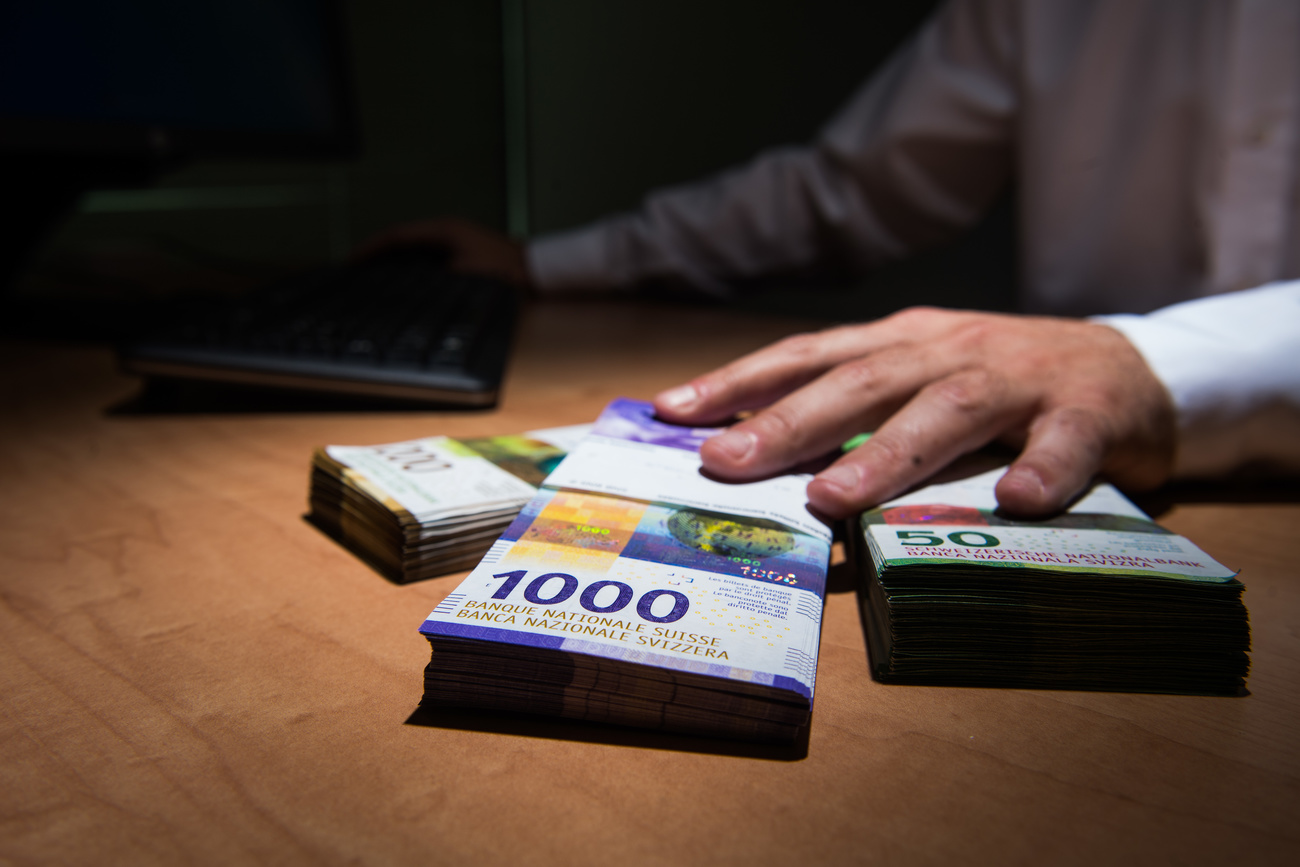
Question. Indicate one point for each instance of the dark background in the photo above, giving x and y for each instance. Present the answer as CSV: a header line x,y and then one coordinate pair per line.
x,y
529,116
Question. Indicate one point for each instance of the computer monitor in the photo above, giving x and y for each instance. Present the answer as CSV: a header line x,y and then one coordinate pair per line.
x,y
105,94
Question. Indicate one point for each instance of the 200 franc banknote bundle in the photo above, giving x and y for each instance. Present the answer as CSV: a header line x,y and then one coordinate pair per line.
x,y
426,507
634,590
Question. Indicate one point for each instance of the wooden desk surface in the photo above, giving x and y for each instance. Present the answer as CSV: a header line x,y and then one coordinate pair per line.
x,y
192,674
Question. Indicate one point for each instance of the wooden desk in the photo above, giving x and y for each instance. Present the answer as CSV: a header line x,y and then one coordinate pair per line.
x,y
192,674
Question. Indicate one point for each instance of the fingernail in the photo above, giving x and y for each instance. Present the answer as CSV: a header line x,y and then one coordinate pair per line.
x,y
1026,482
846,477
682,397
736,444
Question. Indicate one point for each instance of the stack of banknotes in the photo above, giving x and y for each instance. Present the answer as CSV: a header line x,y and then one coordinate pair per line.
x,y
633,590
431,506
1098,598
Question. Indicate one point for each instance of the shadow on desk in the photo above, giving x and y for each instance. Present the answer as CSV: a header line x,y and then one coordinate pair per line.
x,y
552,728
1247,487
194,397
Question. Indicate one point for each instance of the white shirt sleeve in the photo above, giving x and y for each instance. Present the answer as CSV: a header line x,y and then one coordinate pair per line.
x,y
1232,365
918,154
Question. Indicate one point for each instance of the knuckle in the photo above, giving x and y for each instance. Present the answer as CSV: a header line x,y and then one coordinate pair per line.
x,y
857,376
886,450
718,383
979,334
970,392
915,318
1082,425
803,349
779,424
717,391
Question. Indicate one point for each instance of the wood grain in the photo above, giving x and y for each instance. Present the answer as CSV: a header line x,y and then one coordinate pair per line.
x,y
192,674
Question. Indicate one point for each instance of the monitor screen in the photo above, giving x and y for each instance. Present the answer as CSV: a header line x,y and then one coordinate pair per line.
x,y
141,78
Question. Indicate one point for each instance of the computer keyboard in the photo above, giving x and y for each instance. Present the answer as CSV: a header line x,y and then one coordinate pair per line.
x,y
399,325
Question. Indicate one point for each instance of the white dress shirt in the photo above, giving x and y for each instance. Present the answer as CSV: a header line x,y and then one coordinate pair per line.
x,y
1155,145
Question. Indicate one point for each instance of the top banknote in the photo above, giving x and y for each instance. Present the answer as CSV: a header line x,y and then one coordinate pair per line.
x,y
629,555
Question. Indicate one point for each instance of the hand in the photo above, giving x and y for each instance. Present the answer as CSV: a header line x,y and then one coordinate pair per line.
x,y
1074,396
471,248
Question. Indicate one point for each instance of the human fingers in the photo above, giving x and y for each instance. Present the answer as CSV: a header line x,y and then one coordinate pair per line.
x,y
430,233
1064,451
815,419
951,416
762,377
471,248
1113,418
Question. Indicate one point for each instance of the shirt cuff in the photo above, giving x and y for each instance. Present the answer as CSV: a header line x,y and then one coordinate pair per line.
x,y
616,254
1232,366
573,260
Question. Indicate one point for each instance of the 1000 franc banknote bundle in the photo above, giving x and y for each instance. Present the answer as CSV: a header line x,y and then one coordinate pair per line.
x,y
632,589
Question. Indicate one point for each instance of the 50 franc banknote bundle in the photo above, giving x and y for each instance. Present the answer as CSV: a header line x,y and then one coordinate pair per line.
x,y
634,590
430,506
1099,597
